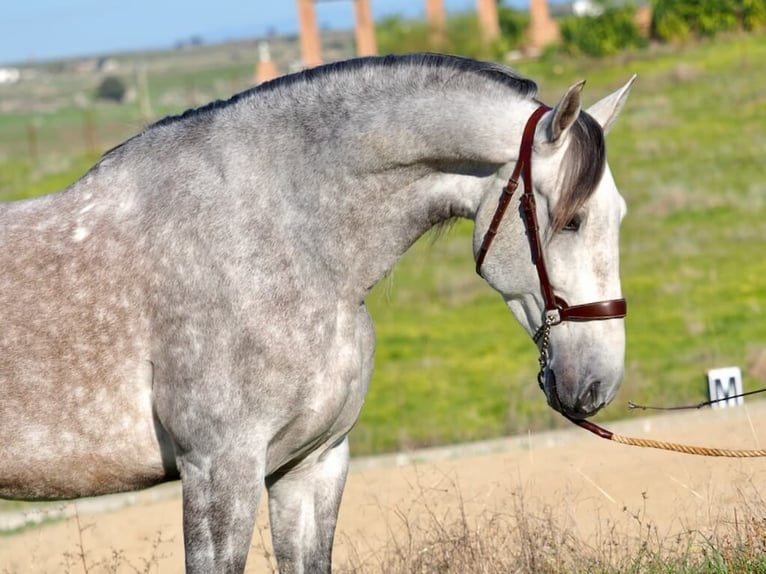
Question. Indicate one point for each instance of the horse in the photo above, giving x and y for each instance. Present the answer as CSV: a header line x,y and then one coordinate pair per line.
x,y
194,306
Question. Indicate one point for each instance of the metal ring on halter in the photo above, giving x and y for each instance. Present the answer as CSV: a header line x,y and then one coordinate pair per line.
x,y
551,317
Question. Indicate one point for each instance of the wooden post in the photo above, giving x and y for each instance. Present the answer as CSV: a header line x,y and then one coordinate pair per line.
x,y
89,130
437,21
543,30
490,26
266,69
365,29
311,51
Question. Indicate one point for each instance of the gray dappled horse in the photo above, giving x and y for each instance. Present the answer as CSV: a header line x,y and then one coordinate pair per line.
x,y
194,305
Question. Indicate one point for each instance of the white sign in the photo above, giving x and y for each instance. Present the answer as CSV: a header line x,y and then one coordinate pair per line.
x,y
724,383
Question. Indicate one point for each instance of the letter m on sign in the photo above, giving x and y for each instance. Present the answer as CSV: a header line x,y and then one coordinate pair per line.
x,y
725,383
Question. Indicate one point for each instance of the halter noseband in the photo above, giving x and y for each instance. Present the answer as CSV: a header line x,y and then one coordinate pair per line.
x,y
556,309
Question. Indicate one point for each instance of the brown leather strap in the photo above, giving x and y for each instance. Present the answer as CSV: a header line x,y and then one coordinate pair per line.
x,y
529,212
612,309
525,155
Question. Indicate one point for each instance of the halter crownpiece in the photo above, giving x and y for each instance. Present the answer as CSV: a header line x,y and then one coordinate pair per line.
x,y
556,309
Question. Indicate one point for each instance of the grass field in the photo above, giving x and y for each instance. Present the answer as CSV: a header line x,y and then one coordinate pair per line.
x,y
452,365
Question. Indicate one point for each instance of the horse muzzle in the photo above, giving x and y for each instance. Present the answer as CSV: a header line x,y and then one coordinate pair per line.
x,y
581,404
580,377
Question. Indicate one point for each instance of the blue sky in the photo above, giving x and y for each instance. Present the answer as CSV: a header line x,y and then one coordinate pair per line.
x,y
45,29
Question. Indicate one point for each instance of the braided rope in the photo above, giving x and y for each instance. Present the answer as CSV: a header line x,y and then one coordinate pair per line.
x,y
671,446
688,449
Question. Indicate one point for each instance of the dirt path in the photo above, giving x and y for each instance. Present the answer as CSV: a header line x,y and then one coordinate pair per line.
x,y
591,485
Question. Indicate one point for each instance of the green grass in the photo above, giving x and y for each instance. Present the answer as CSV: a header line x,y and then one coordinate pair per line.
x,y
20,179
451,363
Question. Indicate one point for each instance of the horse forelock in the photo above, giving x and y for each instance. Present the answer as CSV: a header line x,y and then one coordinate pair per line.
x,y
582,169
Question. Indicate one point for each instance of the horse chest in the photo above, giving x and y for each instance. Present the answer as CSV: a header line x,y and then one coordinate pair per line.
x,y
339,392
334,396
328,403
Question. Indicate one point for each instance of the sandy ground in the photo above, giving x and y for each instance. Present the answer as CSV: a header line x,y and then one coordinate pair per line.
x,y
591,486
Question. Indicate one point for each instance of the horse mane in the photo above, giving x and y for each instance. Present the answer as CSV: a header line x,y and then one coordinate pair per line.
x,y
361,67
423,62
583,165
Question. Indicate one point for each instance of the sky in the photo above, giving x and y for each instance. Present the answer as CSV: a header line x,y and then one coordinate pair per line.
x,y
33,30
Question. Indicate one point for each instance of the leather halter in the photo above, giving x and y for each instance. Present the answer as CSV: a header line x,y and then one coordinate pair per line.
x,y
556,309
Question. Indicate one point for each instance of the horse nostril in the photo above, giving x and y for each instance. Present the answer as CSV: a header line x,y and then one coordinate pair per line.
x,y
591,394
589,402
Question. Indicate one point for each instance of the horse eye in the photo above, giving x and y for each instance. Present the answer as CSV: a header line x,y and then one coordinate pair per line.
x,y
573,224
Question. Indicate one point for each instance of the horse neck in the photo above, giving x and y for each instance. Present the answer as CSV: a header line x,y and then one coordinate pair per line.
x,y
376,171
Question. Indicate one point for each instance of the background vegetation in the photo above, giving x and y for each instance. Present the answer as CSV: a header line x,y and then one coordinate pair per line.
x,y
607,28
606,34
681,20
451,364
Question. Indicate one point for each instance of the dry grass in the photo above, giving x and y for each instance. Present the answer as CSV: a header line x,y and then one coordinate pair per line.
x,y
425,540
526,538
492,543
78,561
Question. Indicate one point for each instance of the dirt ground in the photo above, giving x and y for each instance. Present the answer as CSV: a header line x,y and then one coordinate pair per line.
x,y
590,485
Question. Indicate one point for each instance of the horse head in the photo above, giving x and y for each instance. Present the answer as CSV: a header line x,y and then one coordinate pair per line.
x,y
567,218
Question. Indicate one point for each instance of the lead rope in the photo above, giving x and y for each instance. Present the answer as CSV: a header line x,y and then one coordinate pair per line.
x,y
662,445
542,337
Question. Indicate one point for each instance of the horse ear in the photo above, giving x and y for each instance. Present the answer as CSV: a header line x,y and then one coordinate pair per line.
x,y
606,110
565,113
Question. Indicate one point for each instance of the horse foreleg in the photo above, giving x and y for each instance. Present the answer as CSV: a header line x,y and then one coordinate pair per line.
x,y
220,501
303,510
